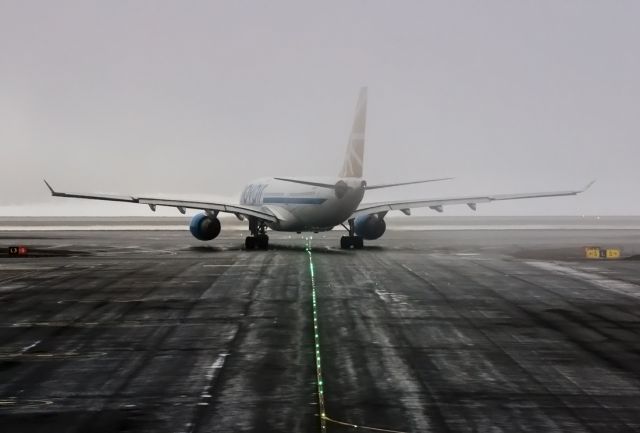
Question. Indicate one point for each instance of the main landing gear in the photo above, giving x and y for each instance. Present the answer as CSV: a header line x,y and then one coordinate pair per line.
x,y
351,241
260,242
258,239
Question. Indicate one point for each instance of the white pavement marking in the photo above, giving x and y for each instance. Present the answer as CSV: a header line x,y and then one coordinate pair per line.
x,y
25,268
29,347
171,253
211,373
217,364
57,246
613,285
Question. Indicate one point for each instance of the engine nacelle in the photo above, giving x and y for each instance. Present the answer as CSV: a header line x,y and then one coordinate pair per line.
x,y
204,227
369,226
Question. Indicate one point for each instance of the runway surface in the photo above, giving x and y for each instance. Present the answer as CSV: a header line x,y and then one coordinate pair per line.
x,y
422,331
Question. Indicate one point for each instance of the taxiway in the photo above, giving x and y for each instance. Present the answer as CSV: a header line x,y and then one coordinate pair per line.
x,y
430,331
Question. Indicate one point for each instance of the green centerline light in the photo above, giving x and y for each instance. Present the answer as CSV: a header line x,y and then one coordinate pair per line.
x,y
316,338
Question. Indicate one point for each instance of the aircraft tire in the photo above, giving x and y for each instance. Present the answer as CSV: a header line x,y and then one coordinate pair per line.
x,y
358,243
262,242
250,243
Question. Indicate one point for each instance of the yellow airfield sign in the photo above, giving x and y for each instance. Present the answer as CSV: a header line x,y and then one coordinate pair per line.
x,y
602,253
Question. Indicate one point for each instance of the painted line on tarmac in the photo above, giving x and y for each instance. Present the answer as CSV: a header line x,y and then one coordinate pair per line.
x,y
601,281
47,356
210,375
29,347
15,403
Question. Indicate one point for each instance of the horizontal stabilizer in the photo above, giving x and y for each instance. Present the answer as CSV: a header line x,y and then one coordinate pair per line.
x,y
367,187
389,185
305,182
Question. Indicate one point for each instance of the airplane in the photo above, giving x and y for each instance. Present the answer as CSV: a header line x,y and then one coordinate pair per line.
x,y
312,204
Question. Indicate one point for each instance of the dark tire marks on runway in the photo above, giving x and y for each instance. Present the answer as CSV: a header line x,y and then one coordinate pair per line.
x,y
371,376
266,384
451,318
157,334
535,307
147,334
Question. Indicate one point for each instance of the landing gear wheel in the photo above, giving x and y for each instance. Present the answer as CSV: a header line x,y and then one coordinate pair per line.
x,y
258,238
351,241
262,242
355,242
250,243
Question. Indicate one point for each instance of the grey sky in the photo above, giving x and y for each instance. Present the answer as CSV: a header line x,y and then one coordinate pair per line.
x,y
194,99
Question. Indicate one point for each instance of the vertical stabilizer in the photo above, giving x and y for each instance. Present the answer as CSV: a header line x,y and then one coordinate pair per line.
x,y
353,160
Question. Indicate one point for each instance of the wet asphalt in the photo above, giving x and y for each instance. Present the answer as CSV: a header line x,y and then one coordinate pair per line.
x,y
434,331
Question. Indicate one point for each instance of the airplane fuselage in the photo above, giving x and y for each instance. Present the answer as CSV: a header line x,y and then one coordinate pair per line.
x,y
304,207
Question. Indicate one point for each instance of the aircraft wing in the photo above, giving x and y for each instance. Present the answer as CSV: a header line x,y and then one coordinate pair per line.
x,y
181,205
438,203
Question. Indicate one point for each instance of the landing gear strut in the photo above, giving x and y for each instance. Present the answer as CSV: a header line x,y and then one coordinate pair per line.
x,y
351,241
258,238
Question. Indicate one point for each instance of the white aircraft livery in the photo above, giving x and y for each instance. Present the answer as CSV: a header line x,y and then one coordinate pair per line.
x,y
312,204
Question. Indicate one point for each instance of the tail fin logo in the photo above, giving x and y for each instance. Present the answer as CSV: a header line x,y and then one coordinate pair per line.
x,y
354,158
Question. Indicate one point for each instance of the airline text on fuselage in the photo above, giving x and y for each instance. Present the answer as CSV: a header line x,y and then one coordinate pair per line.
x,y
252,194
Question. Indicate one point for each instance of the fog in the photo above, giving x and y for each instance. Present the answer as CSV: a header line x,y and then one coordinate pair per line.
x,y
195,99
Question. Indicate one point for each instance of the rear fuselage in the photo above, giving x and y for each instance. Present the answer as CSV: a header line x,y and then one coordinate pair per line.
x,y
301,207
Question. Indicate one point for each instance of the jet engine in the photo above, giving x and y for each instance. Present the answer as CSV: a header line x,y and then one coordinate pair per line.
x,y
369,226
204,227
